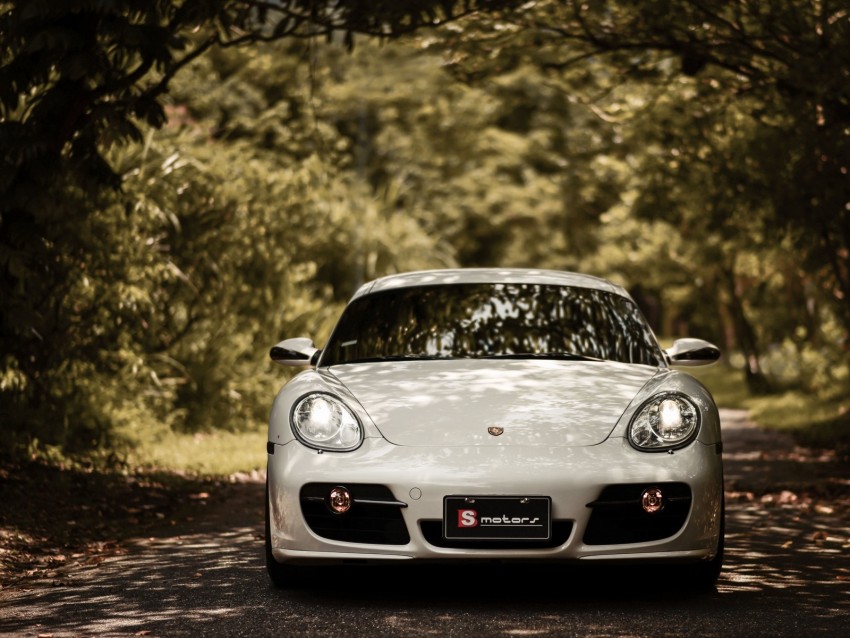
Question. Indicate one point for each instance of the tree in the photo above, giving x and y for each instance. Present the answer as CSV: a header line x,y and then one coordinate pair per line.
x,y
742,130
92,298
507,173
78,76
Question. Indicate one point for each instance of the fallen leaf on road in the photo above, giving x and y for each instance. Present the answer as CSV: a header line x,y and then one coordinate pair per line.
x,y
746,496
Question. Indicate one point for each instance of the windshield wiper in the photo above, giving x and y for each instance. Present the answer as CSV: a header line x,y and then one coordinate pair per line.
x,y
563,356
398,357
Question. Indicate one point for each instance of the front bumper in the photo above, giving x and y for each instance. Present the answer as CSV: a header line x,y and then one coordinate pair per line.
x,y
416,479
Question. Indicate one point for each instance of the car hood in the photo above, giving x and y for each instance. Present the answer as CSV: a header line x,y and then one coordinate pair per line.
x,y
453,403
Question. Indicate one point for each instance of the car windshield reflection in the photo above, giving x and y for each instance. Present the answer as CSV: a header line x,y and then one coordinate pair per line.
x,y
517,321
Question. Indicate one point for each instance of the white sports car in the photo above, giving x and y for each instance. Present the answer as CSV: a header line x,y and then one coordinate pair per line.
x,y
495,414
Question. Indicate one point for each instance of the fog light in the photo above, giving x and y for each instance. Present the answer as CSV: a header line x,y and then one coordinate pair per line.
x,y
652,500
340,500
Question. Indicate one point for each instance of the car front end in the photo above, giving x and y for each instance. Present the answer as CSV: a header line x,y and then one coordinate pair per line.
x,y
609,499
464,426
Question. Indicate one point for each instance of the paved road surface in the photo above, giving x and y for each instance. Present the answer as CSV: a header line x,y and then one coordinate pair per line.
x,y
787,573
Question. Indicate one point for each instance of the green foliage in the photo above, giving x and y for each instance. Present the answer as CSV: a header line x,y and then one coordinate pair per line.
x,y
256,232
467,163
236,225
734,130
143,275
811,420
725,382
79,77
216,453
821,422
172,204
67,328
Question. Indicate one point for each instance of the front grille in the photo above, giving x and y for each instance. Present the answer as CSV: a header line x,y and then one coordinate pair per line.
x,y
374,518
618,517
432,530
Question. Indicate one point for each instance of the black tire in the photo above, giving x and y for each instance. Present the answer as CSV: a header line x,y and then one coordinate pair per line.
x,y
280,575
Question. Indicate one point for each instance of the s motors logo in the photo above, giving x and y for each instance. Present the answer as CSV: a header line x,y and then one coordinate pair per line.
x,y
470,518
467,518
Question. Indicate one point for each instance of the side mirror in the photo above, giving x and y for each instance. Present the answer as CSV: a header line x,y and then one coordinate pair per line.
x,y
692,352
295,352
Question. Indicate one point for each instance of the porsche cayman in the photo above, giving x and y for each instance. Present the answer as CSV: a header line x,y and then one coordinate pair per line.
x,y
494,415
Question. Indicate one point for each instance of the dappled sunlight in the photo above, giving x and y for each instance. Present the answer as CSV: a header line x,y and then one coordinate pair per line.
x,y
165,586
784,531
551,403
786,573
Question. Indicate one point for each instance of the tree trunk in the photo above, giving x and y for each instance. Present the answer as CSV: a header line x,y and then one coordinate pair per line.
x,y
757,382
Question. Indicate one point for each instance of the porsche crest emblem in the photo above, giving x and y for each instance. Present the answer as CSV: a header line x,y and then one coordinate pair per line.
x,y
495,430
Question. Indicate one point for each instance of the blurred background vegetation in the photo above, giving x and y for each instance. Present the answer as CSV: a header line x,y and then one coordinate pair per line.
x,y
184,183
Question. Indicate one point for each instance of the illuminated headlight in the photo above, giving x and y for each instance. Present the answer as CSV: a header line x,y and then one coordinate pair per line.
x,y
324,422
666,421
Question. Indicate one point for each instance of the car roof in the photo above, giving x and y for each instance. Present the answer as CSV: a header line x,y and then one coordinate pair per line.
x,y
446,276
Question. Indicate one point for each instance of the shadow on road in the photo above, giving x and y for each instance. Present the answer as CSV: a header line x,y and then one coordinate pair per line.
x,y
787,573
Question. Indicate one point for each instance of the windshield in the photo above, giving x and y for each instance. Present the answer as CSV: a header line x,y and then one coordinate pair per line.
x,y
491,320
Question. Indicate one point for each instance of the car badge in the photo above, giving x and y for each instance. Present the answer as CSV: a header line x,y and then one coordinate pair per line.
x,y
495,430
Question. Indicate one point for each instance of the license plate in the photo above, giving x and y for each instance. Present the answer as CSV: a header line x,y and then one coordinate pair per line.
x,y
496,517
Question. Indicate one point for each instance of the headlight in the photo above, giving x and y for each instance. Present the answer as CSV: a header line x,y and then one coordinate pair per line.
x,y
666,421
324,422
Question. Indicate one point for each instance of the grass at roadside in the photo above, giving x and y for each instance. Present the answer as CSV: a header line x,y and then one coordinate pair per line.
x,y
213,454
813,421
725,383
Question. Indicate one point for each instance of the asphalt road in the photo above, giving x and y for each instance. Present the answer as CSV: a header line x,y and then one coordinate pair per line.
x,y
787,573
